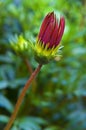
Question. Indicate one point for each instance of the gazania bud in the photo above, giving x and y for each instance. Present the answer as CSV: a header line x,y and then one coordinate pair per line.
x,y
49,37
20,45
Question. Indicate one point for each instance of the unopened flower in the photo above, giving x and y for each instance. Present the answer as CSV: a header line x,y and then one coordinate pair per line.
x,y
49,37
20,45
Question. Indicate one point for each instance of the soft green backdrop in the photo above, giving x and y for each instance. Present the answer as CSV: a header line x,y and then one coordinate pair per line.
x,y
57,98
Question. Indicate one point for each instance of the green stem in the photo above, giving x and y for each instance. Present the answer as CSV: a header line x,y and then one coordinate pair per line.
x,y
21,97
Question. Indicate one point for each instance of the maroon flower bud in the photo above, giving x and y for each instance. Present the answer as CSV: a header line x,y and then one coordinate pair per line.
x,y
51,30
47,45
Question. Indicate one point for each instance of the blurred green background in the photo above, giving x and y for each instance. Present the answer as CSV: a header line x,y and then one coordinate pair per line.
x,y
56,100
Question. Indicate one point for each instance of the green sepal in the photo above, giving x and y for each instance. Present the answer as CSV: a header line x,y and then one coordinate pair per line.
x,y
42,59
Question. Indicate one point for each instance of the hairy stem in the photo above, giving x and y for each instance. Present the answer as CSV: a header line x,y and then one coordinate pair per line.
x,y
21,97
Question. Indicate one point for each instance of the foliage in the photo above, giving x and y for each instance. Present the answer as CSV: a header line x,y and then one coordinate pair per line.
x,y
57,98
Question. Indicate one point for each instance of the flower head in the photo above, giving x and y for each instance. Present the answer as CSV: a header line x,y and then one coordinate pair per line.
x,y
49,37
19,45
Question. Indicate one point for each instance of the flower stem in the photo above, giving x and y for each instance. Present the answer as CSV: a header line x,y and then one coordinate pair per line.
x,y
28,66
20,99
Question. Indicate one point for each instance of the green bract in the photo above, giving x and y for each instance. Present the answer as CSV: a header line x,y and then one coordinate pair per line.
x,y
20,45
44,55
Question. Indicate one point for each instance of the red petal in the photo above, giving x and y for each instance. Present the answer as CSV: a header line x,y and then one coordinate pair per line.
x,y
49,31
54,35
60,30
45,23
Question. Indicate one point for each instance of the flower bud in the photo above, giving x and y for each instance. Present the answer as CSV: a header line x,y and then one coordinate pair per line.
x,y
49,37
20,45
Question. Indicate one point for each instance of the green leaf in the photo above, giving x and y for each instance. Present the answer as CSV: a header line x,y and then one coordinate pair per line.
x,y
3,84
5,103
30,123
53,128
14,128
4,118
5,59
